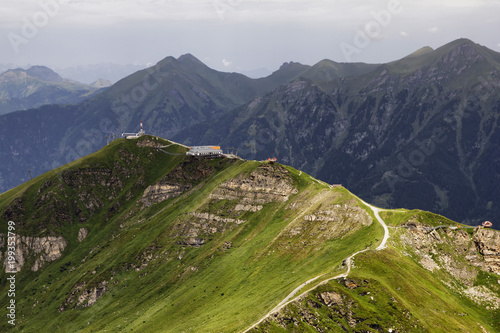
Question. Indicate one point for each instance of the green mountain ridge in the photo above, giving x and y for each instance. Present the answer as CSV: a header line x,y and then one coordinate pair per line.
x,y
134,238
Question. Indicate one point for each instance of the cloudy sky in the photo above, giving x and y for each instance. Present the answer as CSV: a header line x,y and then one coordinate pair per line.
x,y
237,35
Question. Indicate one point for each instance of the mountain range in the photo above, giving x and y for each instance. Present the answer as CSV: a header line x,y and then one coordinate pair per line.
x,y
38,85
420,132
141,237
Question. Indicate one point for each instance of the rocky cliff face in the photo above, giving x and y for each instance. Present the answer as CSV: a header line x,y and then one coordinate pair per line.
x,y
182,178
460,254
264,185
42,249
487,243
231,202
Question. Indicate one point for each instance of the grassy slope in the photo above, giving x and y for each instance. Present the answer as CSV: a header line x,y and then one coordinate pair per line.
x,y
395,292
392,292
208,290
212,289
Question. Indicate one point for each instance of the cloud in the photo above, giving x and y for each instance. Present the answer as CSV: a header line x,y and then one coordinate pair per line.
x,y
98,12
109,12
461,3
252,33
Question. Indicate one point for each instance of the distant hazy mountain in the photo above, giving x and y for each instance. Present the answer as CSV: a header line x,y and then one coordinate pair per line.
x,y
256,73
106,71
101,84
38,85
420,132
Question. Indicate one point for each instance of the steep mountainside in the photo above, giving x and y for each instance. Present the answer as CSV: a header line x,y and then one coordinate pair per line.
x,y
133,238
421,132
26,89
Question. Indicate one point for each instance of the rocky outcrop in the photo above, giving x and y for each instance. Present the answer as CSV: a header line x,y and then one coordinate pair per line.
x,y
82,234
45,249
150,142
267,183
83,296
458,253
487,242
161,192
194,231
248,208
15,211
212,217
192,242
334,221
442,249
481,250
181,179
89,297
330,298
245,193
483,296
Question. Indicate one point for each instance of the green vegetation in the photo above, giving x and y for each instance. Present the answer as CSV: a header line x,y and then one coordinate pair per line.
x,y
385,293
180,244
398,217
153,280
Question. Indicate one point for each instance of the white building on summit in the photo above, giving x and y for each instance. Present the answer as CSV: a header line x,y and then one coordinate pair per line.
x,y
205,151
134,135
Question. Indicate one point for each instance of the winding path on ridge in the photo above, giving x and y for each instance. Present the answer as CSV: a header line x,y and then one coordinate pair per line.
x,y
376,212
290,298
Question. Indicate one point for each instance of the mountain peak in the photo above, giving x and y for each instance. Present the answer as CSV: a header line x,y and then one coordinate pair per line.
x,y
470,52
188,57
456,53
286,64
44,73
421,51
462,41
101,83
462,44
185,59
